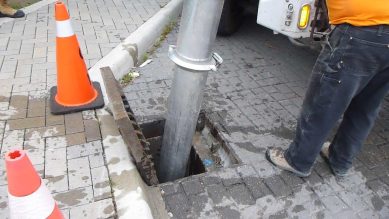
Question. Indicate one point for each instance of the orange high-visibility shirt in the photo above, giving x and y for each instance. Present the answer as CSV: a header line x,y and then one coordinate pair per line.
x,y
358,12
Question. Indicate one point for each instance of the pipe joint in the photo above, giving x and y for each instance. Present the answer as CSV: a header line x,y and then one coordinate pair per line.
x,y
198,65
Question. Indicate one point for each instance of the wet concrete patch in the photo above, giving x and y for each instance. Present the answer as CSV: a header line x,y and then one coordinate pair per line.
x,y
377,203
114,160
74,197
108,210
102,184
250,147
3,205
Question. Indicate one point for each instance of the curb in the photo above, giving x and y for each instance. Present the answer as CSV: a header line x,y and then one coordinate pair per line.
x,y
27,10
132,197
124,56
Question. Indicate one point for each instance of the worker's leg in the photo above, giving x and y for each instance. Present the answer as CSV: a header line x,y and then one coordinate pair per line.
x,y
357,123
362,67
335,80
7,11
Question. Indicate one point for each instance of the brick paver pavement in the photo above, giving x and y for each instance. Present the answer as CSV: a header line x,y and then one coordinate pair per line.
x,y
67,150
256,97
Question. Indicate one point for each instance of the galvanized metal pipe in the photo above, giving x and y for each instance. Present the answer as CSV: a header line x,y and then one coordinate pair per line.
x,y
193,58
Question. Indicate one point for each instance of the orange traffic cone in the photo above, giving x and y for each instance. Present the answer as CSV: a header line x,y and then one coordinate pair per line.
x,y
27,194
74,91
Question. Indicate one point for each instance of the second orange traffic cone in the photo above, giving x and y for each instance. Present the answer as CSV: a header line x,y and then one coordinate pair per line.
x,y
74,91
27,194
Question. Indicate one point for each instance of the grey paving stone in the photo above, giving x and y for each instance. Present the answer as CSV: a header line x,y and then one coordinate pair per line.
x,y
74,123
26,123
36,108
210,179
88,114
368,214
216,193
324,214
334,204
57,184
96,160
54,119
265,169
74,197
192,187
291,179
352,180
100,209
322,169
12,140
246,171
79,173
201,206
229,176
228,212
385,179
313,179
92,130
171,188
240,194
84,149
257,188
55,162
19,101
370,175
323,190
279,215
67,140
277,186
378,186
101,183
43,132
177,204
353,200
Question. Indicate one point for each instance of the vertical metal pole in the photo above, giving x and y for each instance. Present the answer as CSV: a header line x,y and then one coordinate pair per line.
x,y
193,59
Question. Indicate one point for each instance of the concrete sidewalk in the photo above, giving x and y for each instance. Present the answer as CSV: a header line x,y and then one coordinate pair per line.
x,y
256,97
67,150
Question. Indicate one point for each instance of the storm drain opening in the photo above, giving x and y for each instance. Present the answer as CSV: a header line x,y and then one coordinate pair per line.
x,y
209,151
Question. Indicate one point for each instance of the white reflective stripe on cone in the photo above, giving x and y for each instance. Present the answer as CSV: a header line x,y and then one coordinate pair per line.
x,y
64,28
38,205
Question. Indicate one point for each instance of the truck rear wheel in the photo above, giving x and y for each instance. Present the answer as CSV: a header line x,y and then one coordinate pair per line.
x,y
231,18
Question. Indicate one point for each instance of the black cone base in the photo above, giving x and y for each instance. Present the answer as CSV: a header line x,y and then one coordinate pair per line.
x,y
58,109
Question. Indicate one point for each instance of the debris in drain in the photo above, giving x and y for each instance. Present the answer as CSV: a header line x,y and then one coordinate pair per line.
x,y
208,152
209,148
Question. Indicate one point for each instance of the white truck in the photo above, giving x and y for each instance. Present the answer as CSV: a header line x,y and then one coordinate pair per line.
x,y
297,19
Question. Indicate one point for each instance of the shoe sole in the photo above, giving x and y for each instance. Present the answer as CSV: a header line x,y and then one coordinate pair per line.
x,y
10,16
298,173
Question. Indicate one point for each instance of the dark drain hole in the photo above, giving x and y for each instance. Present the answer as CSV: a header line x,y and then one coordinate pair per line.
x,y
153,133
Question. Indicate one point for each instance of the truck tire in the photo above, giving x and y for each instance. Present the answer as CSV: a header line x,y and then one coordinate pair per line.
x,y
231,18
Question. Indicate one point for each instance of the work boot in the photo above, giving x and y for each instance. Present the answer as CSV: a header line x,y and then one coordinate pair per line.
x,y
325,154
277,158
7,11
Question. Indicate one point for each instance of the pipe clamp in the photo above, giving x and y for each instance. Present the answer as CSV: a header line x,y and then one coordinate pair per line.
x,y
208,65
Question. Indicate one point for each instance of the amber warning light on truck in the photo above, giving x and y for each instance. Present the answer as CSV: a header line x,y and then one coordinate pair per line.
x,y
305,13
